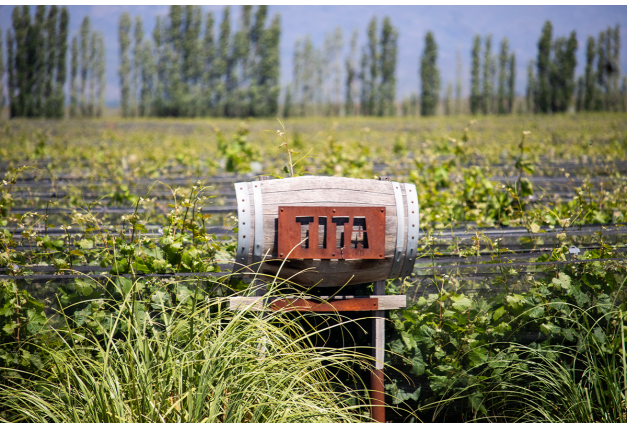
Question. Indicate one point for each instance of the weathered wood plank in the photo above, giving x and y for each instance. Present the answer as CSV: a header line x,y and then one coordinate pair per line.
x,y
378,338
295,184
392,302
378,325
339,197
378,288
274,208
330,273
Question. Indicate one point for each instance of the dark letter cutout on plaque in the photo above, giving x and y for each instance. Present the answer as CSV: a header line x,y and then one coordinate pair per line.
x,y
331,232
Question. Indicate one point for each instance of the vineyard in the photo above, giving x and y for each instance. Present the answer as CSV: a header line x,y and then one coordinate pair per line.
x,y
118,238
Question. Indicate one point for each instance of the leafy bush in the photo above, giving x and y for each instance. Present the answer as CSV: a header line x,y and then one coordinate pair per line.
x,y
584,381
456,339
239,152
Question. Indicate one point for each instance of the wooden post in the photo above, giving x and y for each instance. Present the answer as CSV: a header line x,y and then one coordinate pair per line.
x,y
377,303
377,383
260,290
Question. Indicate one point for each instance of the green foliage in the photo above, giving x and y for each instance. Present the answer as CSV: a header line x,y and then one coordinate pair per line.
x,y
351,75
579,379
73,83
475,83
606,94
85,31
532,89
62,38
370,83
544,66
22,322
51,34
268,71
138,68
389,48
562,74
87,83
238,152
2,70
35,52
503,67
340,160
194,76
511,84
470,339
553,88
429,77
489,71
124,31
590,77
316,85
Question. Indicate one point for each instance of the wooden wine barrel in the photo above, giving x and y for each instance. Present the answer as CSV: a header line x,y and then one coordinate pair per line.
x,y
367,229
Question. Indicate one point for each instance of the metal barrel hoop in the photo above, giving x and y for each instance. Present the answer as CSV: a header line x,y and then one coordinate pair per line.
x,y
400,229
258,202
413,227
244,225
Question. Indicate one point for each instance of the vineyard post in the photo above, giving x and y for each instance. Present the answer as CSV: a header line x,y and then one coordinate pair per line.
x,y
377,382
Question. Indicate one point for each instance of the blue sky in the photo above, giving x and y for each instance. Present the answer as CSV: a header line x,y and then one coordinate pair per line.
x,y
453,27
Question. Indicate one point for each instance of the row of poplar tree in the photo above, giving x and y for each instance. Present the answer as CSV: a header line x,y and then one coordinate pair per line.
x,y
188,70
553,85
369,89
36,65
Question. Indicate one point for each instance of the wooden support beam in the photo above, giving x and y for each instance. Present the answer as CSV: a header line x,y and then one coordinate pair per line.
x,y
298,304
377,384
320,304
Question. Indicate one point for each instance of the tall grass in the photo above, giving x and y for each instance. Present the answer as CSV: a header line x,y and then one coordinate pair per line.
x,y
206,364
584,381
